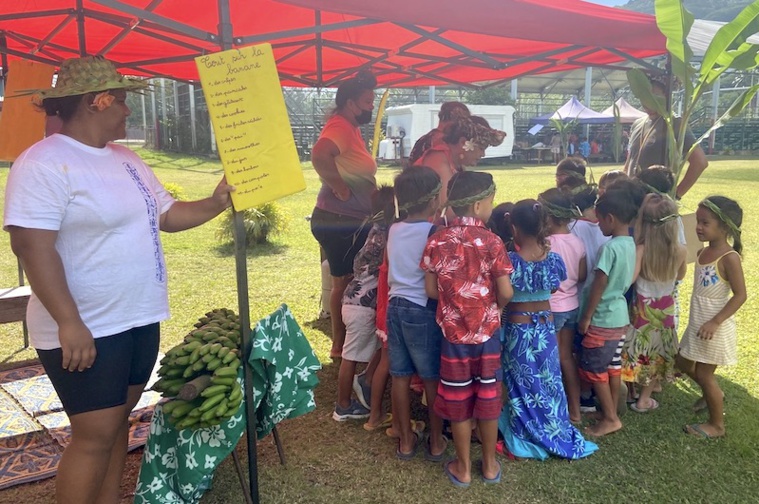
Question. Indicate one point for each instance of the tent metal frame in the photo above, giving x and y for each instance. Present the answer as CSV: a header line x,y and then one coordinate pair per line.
x,y
146,22
198,42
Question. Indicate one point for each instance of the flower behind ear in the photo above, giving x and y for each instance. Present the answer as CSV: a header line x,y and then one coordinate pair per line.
x,y
103,100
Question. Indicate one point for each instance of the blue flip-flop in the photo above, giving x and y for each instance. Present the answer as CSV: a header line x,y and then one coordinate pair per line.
x,y
492,481
409,456
428,451
456,482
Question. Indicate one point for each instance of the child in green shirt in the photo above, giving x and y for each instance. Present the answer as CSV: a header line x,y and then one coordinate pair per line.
x,y
604,314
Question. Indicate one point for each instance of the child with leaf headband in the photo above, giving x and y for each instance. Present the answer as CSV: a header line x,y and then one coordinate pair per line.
x,y
648,355
413,335
565,302
710,340
467,269
530,360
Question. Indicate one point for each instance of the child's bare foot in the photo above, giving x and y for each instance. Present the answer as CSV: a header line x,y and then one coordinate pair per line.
x,y
657,387
603,428
704,430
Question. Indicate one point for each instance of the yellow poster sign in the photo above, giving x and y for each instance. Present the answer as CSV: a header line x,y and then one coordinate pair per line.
x,y
250,121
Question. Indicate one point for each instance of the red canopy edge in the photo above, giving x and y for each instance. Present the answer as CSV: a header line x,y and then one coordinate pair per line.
x,y
411,43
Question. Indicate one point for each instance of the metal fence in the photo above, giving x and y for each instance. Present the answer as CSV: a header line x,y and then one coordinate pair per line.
x,y
174,117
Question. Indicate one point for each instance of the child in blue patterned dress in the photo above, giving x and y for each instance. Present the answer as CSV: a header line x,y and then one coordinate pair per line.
x,y
535,422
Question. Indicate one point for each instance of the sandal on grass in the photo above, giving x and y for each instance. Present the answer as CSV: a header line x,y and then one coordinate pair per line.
x,y
696,431
416,426
452,477
409,456
653,402
386,422
428,451
496,479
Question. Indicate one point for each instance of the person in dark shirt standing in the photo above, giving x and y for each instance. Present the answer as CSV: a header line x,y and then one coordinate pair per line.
x,y
648,141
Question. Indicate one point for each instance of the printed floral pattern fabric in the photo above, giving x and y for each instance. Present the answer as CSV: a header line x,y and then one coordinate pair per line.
x,y
651,343
467,258
707,275
362,290
283,359
535,421
178,466
536,280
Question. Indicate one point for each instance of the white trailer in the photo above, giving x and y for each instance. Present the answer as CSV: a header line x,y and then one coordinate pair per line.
x,y
406,124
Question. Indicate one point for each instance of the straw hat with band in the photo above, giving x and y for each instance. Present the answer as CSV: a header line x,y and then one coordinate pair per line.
x,y
89,74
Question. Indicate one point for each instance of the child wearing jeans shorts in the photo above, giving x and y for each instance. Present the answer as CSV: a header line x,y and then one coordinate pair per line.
x,y
565,302
468,270
605,316
413,334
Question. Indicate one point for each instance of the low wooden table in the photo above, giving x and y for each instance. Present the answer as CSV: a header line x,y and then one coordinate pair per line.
x,y
13,303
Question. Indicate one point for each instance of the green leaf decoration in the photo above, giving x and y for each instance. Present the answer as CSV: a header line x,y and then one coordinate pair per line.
x,y
729,43
641,88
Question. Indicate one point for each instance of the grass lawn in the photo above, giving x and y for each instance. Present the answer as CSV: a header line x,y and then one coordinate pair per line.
x,y
650,460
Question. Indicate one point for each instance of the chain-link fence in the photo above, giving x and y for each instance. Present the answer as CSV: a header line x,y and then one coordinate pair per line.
x,y
173,116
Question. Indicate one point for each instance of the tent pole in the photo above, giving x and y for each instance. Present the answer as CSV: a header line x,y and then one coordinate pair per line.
x,y
241,264
588,85
156,122
193,132
80,28
319,49
165,133
144,118
4,60
514,89
178,119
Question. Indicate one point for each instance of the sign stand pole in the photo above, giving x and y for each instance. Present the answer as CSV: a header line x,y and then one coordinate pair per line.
x,y
241,257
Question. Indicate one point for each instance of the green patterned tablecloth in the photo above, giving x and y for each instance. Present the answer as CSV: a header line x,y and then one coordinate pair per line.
x,y
178,466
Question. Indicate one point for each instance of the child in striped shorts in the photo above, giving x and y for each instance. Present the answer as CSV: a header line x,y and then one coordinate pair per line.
x,y
467,269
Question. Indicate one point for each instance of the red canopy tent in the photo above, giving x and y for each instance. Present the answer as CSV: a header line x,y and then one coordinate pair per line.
x,y
422,42
319,42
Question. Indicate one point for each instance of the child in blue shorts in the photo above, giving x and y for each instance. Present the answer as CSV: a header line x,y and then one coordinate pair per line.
x,y
604,314
414,336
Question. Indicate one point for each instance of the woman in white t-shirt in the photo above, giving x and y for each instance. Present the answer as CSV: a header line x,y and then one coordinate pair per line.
x,y
346,169
84,217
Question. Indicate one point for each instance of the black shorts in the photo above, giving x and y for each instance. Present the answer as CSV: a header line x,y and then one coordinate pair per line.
x,y
122,360
341,237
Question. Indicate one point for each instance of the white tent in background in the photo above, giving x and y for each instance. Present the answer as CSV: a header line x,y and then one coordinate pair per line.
x,y
627,113
573,110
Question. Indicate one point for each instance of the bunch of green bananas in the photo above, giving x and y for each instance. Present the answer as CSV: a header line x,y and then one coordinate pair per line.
x,y
212,349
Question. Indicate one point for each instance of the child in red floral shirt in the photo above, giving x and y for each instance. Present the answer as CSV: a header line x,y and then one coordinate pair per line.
x,y
467,269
